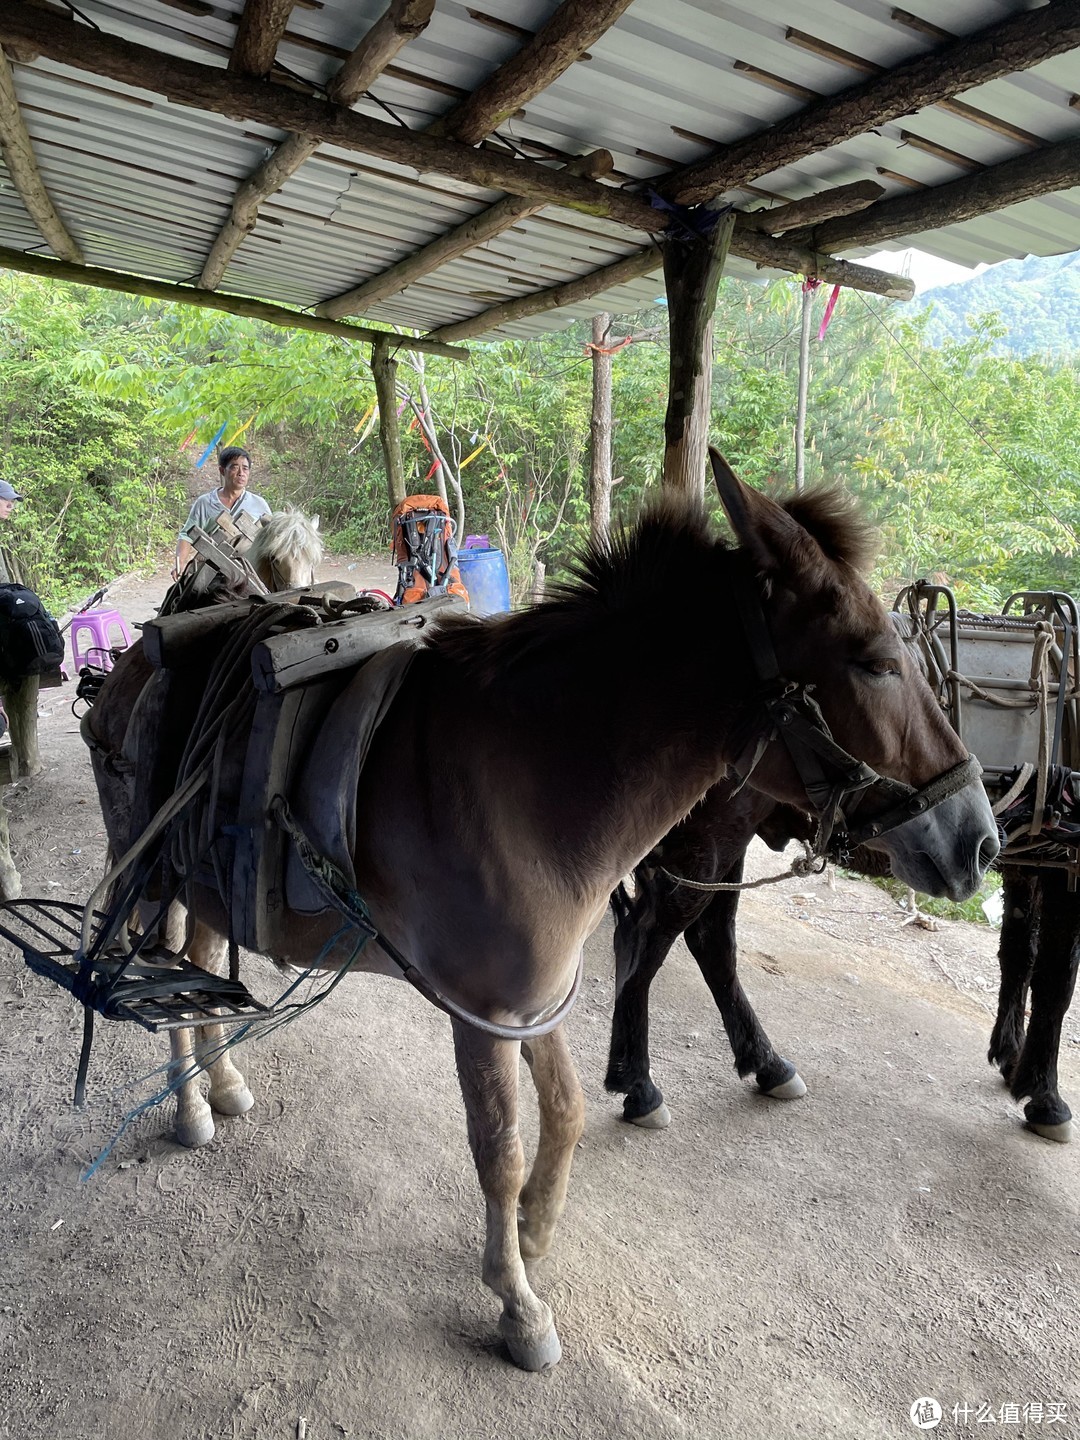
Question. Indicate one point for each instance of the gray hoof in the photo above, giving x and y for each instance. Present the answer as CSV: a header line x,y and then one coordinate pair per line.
x,y
535,1355
196,1132
658,1119
793,1089
232,1102
1062,1133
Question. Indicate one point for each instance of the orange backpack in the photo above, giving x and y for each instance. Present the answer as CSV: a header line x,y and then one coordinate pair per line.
x,y
424,550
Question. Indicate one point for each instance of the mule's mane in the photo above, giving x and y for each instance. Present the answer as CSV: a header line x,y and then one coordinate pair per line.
x,y
287,536
833,518
664,563
640,570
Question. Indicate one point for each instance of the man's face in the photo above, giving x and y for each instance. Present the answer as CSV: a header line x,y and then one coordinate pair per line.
x,y
6,507
237,473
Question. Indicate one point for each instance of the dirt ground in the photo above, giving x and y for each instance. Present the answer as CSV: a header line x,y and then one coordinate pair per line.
x,y
760,1269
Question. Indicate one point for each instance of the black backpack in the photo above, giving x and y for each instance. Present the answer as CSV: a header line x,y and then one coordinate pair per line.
x,y
30,639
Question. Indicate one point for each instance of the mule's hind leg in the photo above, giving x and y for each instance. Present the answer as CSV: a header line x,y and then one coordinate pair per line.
x,y
711,941
200,1046
646,927
10,879
1053,978
1016,955
488,1072
562,1119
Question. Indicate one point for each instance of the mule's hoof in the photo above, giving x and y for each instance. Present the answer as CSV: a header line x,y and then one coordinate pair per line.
x,y
539,1354
199,1130
658,1119
1061,1132
237,1101
791,1089
535,1244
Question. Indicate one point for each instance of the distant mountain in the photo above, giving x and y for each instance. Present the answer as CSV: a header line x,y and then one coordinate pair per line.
x,y
1037,300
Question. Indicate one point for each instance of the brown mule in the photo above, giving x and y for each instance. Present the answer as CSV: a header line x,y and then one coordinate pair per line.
x,y
529,761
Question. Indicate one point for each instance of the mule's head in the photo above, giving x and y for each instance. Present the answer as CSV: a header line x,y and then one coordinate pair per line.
x,y
286,550
831,633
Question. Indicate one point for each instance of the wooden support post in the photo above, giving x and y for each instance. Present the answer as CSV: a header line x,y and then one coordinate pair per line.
x,y
384,369
600,467
693,264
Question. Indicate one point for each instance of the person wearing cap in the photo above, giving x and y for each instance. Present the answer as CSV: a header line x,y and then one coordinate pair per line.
x,y
8,496
232,494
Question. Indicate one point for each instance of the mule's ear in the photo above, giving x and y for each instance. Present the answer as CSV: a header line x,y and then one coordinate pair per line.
x,y
761,526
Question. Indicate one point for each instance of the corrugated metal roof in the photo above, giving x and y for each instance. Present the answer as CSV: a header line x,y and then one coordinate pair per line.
x,y
144,185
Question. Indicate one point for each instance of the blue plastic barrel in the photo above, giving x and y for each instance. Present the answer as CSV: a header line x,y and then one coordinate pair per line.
x,y
484,575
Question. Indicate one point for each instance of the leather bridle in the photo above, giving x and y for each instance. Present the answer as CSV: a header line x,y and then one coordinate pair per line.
x,y
831,777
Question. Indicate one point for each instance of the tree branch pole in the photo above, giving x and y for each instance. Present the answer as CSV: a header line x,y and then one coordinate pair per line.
x,y
402,22
804,385
763,248
559,43
34,264
600,456
22,166
384,369
261,28
1014,44
204,87
471,233
693,265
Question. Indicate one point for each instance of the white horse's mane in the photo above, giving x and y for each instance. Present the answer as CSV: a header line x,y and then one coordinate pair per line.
x,y
288,536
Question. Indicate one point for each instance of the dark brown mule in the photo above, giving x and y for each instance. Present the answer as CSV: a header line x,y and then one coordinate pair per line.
x,y
529,761
1037,954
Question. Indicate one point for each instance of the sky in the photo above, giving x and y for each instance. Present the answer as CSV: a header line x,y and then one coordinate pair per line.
x,y
926,270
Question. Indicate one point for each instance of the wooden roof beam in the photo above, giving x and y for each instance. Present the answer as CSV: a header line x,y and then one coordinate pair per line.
x,y
1025,177
261,28
402,22
575,25
473,232
1023,40
18,151
31,263
777,254
203,87
814,209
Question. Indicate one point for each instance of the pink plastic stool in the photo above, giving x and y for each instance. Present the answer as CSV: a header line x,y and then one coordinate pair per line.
x,y
97,624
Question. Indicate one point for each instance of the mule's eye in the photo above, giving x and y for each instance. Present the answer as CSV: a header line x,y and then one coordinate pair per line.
x,y
880,667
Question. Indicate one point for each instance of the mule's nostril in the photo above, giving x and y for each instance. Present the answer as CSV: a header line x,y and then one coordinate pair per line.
x,y
988,851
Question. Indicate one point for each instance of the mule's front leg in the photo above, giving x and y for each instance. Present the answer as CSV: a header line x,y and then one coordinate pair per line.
x,y
711,940
562,1119
488,1072
1053,977
1016,956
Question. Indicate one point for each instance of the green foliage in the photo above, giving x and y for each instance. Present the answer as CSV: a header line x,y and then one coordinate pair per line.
x,y
102,492
970,909
964,455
